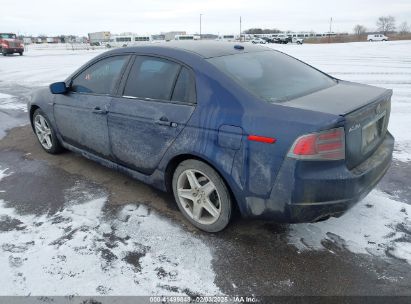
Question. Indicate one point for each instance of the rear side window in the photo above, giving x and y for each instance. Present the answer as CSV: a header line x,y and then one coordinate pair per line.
x,y
184,89
152,78
271,75
101,77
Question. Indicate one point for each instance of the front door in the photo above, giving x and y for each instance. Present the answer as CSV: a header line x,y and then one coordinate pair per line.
x,y
157,102
81,114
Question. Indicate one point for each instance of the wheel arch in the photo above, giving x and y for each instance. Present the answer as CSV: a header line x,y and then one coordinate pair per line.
x,y
33,109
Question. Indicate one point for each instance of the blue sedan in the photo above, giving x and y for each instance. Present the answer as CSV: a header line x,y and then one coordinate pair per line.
x,y
223,126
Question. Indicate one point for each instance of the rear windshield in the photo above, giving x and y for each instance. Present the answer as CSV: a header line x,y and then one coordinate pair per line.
x,y
272,75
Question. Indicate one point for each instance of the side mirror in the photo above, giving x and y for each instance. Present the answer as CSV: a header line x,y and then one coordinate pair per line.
x,y
58,88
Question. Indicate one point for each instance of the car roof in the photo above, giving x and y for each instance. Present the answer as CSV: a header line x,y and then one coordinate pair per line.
x,y
205,49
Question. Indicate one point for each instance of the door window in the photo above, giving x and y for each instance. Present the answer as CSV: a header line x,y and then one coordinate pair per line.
x,y
184,89
152,78
101,77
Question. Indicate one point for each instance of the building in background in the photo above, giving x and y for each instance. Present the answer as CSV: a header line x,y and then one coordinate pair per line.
x,y
99,38
158,37
171,35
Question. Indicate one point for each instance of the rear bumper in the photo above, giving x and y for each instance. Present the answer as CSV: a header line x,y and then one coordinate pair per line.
x,y
309,191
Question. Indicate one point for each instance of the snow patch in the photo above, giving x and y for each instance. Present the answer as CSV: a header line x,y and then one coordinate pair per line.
x,y
92,248
378,225
4,96
10,102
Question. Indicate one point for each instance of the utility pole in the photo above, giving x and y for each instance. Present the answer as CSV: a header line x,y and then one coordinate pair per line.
x,y
329,33
200,25
240,28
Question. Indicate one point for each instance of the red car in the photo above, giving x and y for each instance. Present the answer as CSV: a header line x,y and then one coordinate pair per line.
x,y
9,44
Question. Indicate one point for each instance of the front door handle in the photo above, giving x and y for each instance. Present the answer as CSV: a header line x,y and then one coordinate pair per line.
x,y
98,110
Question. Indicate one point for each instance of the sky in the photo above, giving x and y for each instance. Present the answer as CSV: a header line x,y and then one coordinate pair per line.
x,y
79,17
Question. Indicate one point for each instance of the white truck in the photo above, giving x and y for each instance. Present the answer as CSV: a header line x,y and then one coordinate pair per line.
x,y
297,40
377,37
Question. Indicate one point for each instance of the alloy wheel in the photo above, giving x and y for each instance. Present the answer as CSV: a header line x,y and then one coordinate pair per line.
x,y
43,131
199,196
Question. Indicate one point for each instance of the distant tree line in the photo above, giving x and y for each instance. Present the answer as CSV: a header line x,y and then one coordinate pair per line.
x,y
261,31
385,25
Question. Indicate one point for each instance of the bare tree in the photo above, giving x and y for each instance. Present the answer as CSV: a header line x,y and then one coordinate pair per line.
x,y
359,30
386,24
404,28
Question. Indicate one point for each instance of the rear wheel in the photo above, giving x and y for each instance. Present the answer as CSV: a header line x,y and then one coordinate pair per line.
x,y
202,195
45,133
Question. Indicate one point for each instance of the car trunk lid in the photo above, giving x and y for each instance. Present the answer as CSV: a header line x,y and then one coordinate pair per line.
x,y
366,110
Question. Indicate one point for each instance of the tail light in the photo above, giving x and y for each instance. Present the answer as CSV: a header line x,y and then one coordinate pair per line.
x,y
325,145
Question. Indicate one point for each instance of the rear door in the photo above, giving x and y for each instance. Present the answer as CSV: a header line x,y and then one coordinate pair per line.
x,y
81,114
155,103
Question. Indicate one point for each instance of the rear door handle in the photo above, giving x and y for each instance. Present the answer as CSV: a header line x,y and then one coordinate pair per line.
x,y
98,110
163,121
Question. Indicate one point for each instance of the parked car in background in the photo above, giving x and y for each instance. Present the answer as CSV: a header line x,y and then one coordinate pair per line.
x,y
258,41
228,38
377,37
268,39
9,44
282,38
297,40
230,125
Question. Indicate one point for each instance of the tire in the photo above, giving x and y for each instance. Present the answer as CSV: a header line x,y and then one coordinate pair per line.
x,y
370,40
202,195
21,53
4,53
43,127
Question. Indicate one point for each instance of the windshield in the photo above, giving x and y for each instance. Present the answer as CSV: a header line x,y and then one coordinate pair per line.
x,y
272,75
8,36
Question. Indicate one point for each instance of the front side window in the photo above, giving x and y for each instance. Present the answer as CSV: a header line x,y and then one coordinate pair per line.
x,y
101,77
271,75
152,78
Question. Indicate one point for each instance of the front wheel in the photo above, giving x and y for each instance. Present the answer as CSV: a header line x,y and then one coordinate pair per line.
x,y
45,133
21,53
202,195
